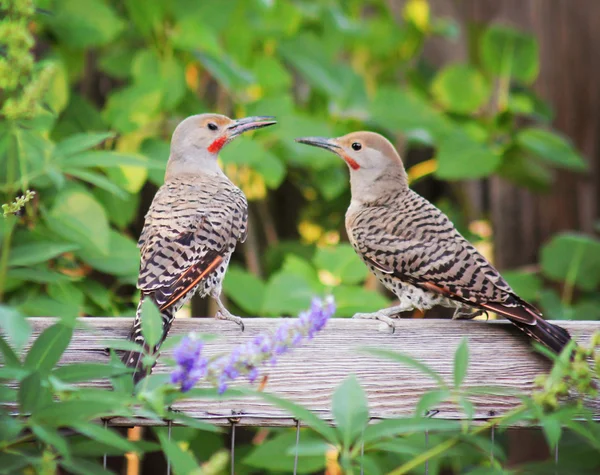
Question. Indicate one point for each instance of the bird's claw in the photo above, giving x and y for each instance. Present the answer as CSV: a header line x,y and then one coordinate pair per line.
x,y
220,315
382,317
468,315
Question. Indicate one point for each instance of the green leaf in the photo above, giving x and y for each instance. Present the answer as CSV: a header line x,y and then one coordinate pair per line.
x,y
133,107
98,180
37,252
105,435
194,423
552,428
78,217
278,453
29,393
56,95
123,257
408,361
431,399
10,357
226,71
306,53
152,325
77,143
461,158
461,363
302,414
189,37
350,299
67,413
508,52
253,154
38,274
121,210
49,307
551,147
146,16
342,263
48,348
81,466
166,73
182,461
286,294
396,427
245,289
107,159
53,438
158,152
85,24
350,410
78,372
525,284
13,463
15,326
573,258
460,88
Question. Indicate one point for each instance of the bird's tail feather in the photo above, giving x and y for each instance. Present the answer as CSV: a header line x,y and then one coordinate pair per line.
x,y
528,319
553,336
134,359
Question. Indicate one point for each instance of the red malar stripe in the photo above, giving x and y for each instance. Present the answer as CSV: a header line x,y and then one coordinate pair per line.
x,y
217,144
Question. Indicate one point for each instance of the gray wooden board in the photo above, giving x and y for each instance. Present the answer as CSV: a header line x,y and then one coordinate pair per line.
x,y
499,355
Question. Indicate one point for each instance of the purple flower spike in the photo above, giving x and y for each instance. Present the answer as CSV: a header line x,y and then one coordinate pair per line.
x,y
191,366
245,358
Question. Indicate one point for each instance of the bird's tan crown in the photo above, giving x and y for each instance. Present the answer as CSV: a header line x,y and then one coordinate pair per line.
x,y
370,140
218,119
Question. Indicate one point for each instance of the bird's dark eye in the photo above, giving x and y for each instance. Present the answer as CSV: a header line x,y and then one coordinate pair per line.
x,y
356,146
212,126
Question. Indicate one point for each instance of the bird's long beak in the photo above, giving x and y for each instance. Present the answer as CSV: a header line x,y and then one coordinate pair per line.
x,y
240,126
321,142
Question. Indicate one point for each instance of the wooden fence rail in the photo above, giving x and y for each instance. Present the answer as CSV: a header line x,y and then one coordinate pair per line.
x,y
499,355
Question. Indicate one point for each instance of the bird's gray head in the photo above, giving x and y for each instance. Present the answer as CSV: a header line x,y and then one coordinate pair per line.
x,y
198,140
375,166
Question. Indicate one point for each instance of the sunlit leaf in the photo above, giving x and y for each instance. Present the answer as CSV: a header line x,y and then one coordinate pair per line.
x,y
551,147
350,410
245,289
573,258
15,326
460,88
152,326
78,217
36,252
48,348
508,52
182,461
461,363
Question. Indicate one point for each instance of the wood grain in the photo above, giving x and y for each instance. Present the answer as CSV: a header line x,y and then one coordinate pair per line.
x,y
499,355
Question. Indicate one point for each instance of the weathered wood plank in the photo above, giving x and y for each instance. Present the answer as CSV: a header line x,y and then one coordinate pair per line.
x,y
500,355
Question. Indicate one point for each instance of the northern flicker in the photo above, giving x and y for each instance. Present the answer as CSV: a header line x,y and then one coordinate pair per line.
x,y
415,250
193,225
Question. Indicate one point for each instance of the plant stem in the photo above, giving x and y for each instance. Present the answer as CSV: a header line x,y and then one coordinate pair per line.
x,y
448,444
10,220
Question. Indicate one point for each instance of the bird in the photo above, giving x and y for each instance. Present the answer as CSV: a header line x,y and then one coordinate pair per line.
x,y
192,226
414,249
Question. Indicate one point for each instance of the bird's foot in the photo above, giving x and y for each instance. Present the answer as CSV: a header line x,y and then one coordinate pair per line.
x,y
461,314
225,315
381,315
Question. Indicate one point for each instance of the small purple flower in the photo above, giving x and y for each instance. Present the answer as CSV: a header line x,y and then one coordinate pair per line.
x,y
191,366
245,358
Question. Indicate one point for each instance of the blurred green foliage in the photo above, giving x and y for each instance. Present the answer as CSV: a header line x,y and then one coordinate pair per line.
x,y
90,93
88,126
